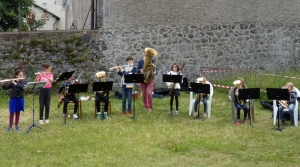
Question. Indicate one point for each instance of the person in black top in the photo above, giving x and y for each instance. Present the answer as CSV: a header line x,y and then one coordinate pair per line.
x,y
16,102
102,96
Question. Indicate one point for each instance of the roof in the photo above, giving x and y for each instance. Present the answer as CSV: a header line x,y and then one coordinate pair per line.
x,y
46,11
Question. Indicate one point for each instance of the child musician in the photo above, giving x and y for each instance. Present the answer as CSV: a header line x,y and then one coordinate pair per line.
x,y
45,93
102,96
66,97
16,102
174,88
126,87
202,97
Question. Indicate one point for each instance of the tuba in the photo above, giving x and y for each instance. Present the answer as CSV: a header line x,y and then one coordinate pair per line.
x,y
238,84
149,67
201,80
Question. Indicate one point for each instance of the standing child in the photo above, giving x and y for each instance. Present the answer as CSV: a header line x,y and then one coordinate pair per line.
x,y
174,88
126,87
16,102
45,93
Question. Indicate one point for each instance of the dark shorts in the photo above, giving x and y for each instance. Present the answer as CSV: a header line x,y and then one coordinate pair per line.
x,y
175,92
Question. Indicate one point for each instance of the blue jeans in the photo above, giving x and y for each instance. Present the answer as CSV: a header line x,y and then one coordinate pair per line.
x,y
238,108
197,101
291,111
126,93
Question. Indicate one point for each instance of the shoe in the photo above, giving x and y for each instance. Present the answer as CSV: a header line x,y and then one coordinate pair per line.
x,y
41,122
176,112
68,115
75,116
129,112
99,116
149,109
195,114
47,121
17,129
237,123
205,115
9,130
283,123
105,115
244,121
123,112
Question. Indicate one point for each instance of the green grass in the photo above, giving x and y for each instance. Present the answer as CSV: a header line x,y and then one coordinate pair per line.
x,y
153,139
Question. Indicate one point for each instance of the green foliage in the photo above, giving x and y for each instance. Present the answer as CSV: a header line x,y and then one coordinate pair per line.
x,y
9,13
34,22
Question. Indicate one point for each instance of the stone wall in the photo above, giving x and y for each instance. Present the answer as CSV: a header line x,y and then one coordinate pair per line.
x,y
64,50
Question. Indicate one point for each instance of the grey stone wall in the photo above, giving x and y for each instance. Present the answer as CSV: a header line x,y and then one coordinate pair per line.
x,y
64,50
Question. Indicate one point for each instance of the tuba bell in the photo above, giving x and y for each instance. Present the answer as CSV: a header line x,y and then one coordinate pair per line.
x,y
238,84
149,67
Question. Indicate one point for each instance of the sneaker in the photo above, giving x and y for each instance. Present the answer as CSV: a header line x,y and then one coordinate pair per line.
x,y
195,114
123,112
68,115
47,121
176,112
237,123
205,115
75,116
149,109
17,129
129,112
99,116
244,121
283,123
9,130
105,115
41,122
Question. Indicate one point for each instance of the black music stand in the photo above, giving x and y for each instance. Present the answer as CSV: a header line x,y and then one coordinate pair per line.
x,y
34,86
172,78
249,93
278,94
102,86
134,78
200,88
76,89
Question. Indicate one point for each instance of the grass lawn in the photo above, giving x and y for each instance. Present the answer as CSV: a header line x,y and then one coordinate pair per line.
x,y
153,139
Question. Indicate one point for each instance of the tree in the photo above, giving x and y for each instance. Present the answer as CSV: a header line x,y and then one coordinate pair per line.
x,y
9,13
33,22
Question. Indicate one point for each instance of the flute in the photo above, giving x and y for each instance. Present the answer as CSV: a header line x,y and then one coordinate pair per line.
x,y
117,67
7,80
38,73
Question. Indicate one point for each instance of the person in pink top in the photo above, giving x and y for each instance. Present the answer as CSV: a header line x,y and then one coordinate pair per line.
x,y
45,93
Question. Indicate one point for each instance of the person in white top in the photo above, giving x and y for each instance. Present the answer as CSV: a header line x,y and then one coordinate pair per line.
x,y
202,97
174,88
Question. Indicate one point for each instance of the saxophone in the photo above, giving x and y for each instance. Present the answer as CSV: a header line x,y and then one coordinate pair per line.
x,y
238,84
149,67
201,80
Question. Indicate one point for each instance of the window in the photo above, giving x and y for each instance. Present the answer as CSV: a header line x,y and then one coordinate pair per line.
x,y
44,5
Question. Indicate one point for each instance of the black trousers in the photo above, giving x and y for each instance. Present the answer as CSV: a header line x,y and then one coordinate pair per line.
x,y
67,100
44,99
105,99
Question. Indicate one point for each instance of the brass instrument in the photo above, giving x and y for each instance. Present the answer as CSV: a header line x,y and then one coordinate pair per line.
x,y
283,103
149,67
112,68
239,85
38,73
201,80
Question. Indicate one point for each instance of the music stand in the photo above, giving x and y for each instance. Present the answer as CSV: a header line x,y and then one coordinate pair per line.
x,y
172,78
102,86
249,93
33,86
200,88
77,88
278,94
134,78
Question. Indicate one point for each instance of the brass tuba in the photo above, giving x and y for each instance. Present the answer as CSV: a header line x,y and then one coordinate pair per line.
x,y
201,80
149,67
238,84
283,103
